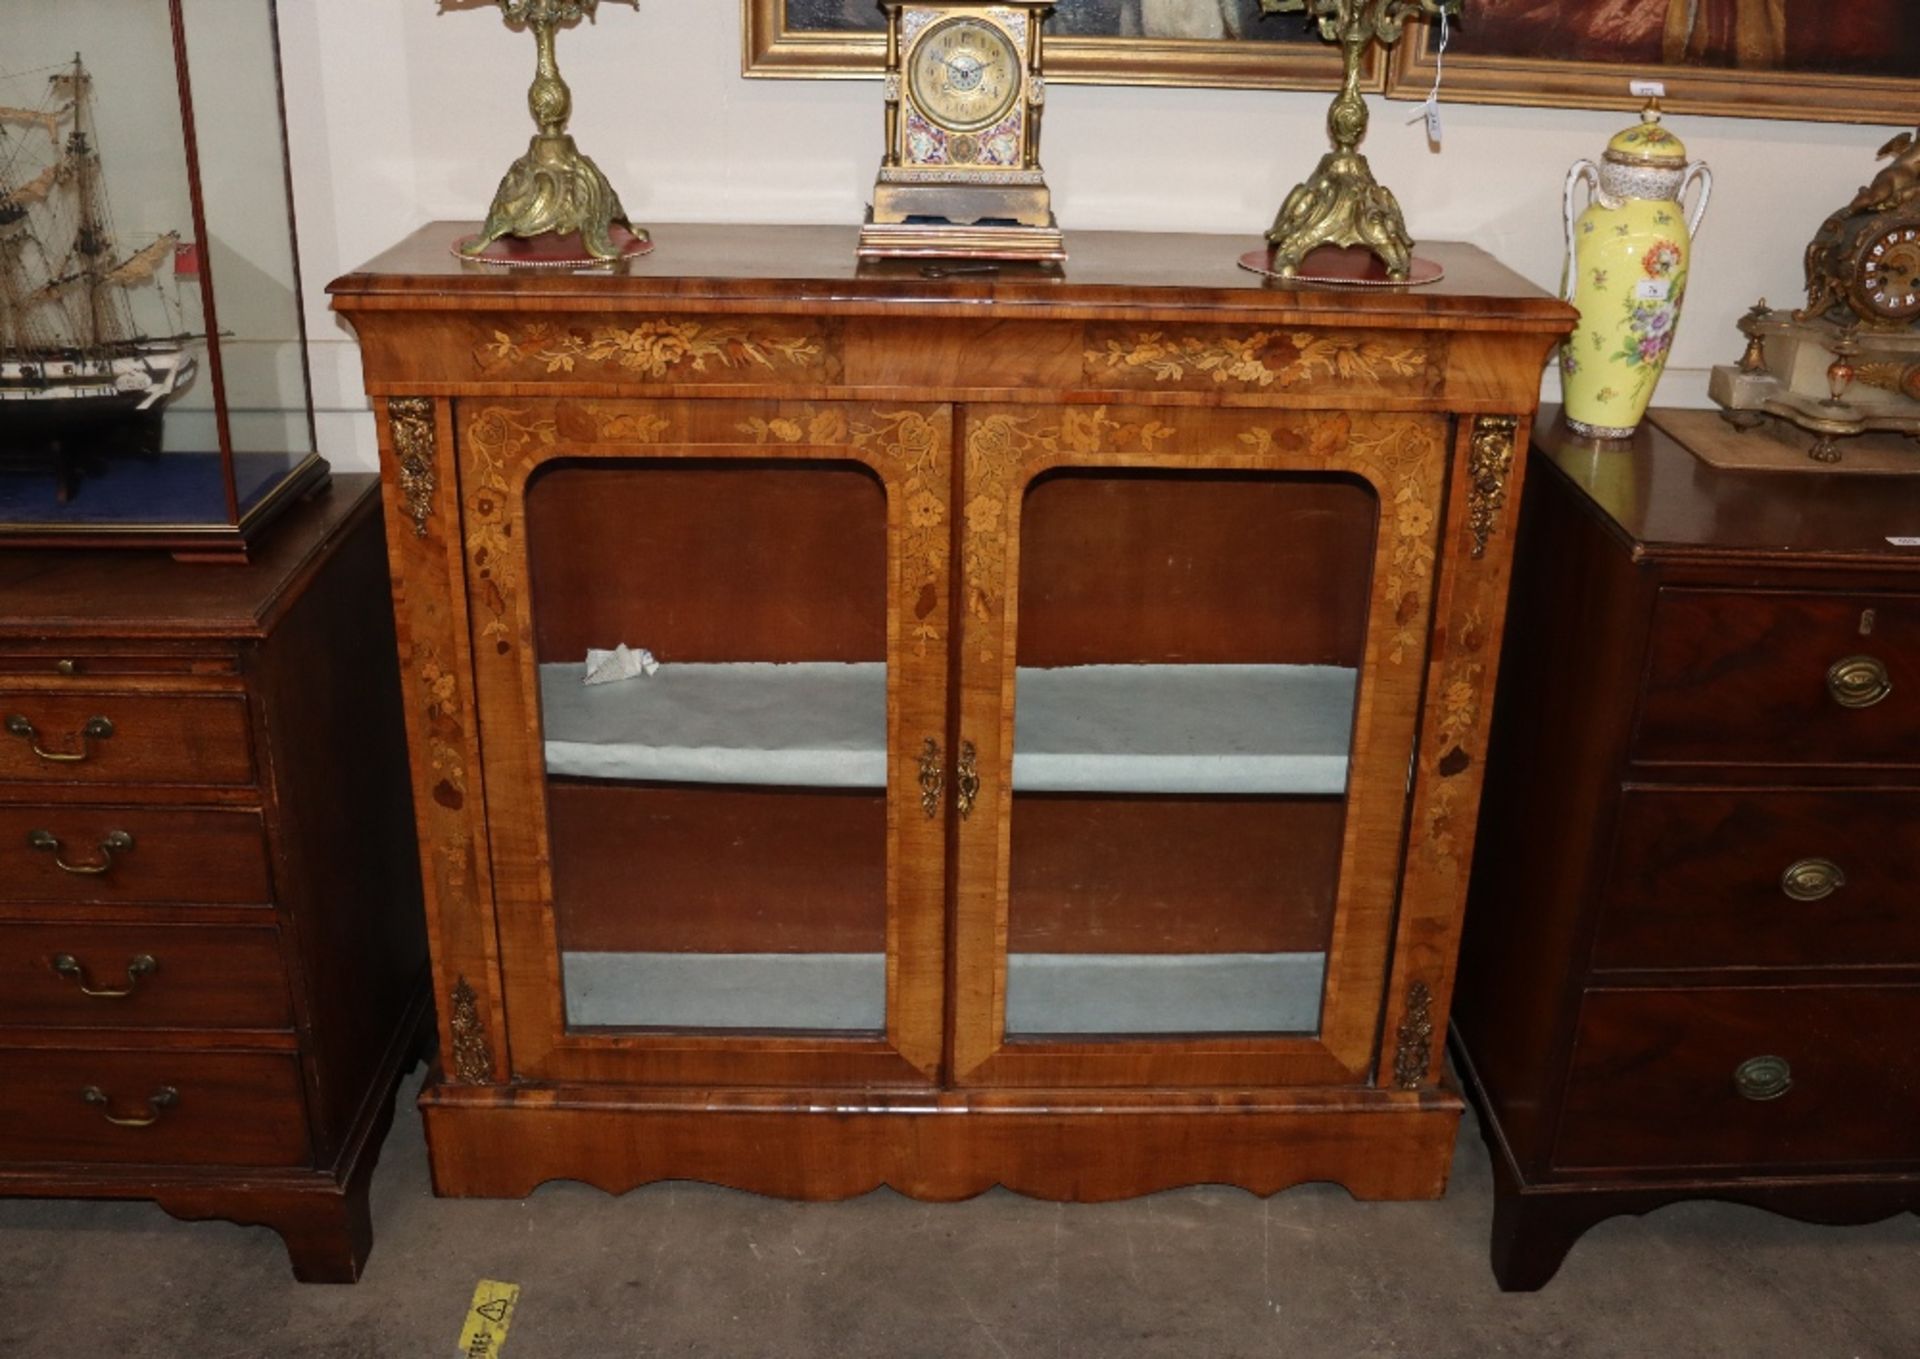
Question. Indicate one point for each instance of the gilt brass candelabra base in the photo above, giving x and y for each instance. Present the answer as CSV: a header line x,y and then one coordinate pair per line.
x,y
1343,204
553,189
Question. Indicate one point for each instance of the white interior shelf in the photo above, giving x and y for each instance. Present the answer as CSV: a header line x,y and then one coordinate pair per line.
x,y
1048,994
1249,729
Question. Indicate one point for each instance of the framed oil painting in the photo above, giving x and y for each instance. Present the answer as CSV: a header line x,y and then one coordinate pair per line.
x,y
1089,42
1857,62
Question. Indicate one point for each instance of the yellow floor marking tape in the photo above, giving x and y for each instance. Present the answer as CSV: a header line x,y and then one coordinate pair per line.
x,y
491,1313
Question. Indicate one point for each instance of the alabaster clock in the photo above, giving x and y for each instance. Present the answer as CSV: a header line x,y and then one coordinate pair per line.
x,y
961,174
1849,361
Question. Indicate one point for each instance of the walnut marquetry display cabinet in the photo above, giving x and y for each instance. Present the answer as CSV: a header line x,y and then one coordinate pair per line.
x,y
1062,764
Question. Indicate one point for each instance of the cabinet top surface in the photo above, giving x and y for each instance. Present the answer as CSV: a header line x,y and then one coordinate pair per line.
x,y
129,594
1668,502
1106,271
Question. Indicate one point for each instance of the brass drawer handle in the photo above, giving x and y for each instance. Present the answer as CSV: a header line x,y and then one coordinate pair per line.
x,y
70,967
932,778
1859,681
96,729
1763,1078
1812,880
967,781
159,1101
115,842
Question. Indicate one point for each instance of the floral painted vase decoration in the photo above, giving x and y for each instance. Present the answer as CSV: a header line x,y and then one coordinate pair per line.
x,y
1627,258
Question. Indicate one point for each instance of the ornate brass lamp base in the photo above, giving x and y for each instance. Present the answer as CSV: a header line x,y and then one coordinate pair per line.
x,y
1343,204
553,188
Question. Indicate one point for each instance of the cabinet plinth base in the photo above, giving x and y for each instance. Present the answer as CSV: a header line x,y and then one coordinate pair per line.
x,y
1083,1146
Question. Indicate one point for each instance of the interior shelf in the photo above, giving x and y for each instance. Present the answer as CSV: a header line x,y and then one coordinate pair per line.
x,y
1247,729
1047,993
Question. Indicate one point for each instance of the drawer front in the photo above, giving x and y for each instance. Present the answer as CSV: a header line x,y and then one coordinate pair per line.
x,y
1708,879
143,976
1753,678
128,855
175,1108
105,737
1657,1078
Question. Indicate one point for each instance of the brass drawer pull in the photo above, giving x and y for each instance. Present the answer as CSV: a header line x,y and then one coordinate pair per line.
x,y
115,842
1812,879
932,778
1859,681
70,967
1763,1078
967,782
96,729
159,1101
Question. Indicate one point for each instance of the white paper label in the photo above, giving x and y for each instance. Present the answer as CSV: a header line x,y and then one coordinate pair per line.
x,y
1653,289
1905,542
1647,89
1433,121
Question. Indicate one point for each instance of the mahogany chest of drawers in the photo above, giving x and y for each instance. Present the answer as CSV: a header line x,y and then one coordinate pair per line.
x,y
1692,957
212,963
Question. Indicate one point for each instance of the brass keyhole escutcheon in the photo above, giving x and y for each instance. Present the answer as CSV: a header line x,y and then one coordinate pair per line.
x,y
159,1102
967,783
70,967
1763,1078
1812,879
1859,681
96,729
932,778
112,844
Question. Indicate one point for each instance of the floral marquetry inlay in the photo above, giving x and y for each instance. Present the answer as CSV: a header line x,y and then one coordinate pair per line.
x,y
1397,455
912,443
997,446
497,438
655,349
1264,359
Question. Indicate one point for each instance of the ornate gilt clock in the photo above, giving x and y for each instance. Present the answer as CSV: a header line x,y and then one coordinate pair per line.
x,y
961,175
1849,361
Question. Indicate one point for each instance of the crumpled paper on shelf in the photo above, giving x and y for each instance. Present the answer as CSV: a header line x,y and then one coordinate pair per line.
x,y
622,663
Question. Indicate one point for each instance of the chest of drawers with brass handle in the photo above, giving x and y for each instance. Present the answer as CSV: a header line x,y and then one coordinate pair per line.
x,y
211,963
1692,959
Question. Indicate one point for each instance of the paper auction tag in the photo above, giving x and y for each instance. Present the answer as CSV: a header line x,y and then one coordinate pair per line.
x,y
1905,542
491,1313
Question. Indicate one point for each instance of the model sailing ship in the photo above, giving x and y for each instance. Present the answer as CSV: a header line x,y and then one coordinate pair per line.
x,y
75,366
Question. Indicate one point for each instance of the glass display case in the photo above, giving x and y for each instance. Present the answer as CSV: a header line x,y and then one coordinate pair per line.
x,y
154,389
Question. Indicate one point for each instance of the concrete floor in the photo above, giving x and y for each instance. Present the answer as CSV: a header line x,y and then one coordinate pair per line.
x,y
688,1270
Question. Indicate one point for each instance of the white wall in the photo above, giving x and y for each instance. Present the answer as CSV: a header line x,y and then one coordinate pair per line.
x,y
400,115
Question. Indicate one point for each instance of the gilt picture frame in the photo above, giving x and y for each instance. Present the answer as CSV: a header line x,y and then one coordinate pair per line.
x,y
1090,42
1790,59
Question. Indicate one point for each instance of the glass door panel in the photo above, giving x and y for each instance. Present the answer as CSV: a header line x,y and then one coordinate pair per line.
x,y
712,645
1188,652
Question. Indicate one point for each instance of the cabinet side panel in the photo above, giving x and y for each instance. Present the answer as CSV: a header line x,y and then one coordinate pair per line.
x,y
1567,687
345,852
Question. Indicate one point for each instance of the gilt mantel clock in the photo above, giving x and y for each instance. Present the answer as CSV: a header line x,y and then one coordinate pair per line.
x,y
1848,363
961,174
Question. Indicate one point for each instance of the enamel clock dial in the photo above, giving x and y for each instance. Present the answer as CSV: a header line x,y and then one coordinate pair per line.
x,y
965,74
1890,273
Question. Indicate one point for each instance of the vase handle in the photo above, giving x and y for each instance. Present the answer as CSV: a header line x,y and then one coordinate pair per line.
x,y
1698,170
1588,171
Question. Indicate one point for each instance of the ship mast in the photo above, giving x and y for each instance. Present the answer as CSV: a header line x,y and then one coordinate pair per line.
x,y
108,323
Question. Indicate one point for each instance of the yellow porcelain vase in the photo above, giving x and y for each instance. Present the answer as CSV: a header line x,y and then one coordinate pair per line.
x,y
1627,259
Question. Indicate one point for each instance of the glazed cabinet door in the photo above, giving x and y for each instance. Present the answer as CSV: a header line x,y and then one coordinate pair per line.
x,y
710,645
1191,652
